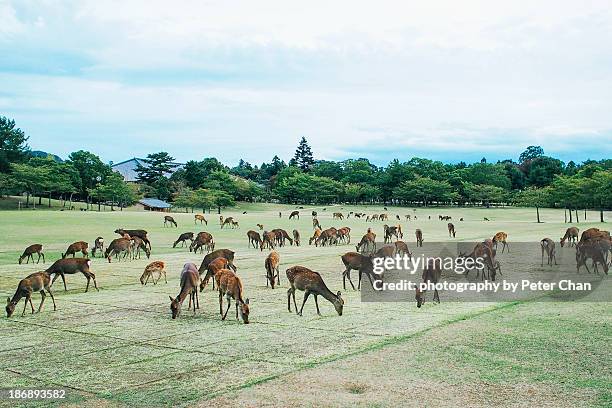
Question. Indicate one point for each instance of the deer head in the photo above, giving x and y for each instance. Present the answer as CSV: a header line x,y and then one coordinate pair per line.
x,y
175,307
10,307
339,303
244,311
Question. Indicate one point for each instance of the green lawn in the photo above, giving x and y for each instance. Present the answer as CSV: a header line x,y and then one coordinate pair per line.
x,y
119,346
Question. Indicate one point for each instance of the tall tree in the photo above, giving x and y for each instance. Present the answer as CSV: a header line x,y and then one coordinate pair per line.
x,y
530,153
303,156
156,165
90,168
13,144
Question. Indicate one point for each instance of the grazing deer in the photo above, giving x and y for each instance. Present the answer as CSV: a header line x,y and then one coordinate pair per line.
x,y
419,237
268,240
294,214
280,236
451,230
314,214
117,246
571,234
155,267
337,216
221,220
79,246
595,249
367,241
137,245
548,246
211,271
310,282
431,274
271,264
142,234
230,285
203,240
235,224
316,224
98,246
36,282
200,217
501,237
315,236
344,235
296,237
228,221
401,249
169,220
260,226
70,266
29,253
189,284
254,239
183,238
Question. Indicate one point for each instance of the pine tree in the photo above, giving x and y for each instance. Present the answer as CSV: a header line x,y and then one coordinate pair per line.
x,y
303,156
156,165
13,146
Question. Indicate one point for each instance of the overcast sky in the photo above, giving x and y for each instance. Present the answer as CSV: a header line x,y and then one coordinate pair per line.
x,y
247,79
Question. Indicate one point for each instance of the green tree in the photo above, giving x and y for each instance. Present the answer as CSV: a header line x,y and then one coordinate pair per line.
x,y
90,168
533,197
13,144
530,153
115,190
425,190
156,165
303,156
602,191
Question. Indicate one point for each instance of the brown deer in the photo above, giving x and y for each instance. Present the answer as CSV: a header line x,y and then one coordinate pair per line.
x,y
155,267
260,226
310,282
235,224
338,216
254,239
183,238
271,264
294,214
296,237
316,224
79,246
36,282
548,246
280,236
367,241
137,245
401,249
203,240
211,272
358,262
501,237
230,285
228,221
571,234
199,217
594,233
431,274
169,220
595,249
142,234
344,235
315,236
451,230
269,238
98,246
189,284
219,253
419,237
29,253
118,246
70,266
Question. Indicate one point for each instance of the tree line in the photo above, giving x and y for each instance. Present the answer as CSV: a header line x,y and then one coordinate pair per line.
x,y
534,180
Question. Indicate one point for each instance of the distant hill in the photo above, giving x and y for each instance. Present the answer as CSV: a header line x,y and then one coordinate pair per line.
x,y
39,153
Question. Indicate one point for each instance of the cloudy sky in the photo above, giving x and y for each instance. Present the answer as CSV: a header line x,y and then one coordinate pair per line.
x,y
246,79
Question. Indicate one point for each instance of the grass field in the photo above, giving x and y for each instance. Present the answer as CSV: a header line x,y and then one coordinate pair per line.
x,y
119,346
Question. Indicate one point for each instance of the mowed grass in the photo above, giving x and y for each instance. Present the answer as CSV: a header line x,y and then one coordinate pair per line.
x,y
119,346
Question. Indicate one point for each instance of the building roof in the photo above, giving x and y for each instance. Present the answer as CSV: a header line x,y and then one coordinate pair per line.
x,y
127,168
154,203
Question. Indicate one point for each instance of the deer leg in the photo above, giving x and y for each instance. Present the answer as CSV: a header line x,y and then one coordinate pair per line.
x,y
147,280
289,299
63,280
25,304
277,276
317,304
220,303
43,295
229,304
94,281
189,306
197,298
48,288
436,296
306,294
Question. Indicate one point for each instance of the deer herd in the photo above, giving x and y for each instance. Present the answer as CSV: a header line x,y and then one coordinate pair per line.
x,y
594,244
